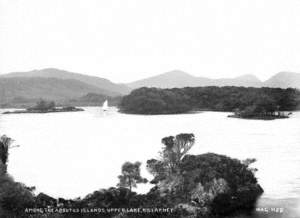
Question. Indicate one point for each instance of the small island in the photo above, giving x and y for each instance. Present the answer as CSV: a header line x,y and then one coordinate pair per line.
x,y
259,116
248,113
264,108
43,106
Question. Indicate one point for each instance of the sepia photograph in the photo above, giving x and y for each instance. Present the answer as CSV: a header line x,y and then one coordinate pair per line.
x,y
149,109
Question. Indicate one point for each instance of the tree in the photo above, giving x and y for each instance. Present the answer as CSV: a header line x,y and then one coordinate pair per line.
x,y
14,196
43,105
166,170
221,184
181,100
265,104
5,145
131,175
175,148
5,142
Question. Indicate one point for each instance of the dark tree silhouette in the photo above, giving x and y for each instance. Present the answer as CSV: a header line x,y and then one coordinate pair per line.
x,y
5,145
173,151
14,196
43,105
229,98
131,175
175,148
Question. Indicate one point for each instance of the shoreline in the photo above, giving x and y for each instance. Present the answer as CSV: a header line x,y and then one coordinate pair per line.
x,y
258,117
56,110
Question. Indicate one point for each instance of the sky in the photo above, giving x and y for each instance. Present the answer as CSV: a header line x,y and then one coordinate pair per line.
x,y
127,40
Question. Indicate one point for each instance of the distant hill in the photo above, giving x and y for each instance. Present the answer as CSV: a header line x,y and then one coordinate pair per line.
x,y
170,79
180,79
284,80
24,90
247,80
101,83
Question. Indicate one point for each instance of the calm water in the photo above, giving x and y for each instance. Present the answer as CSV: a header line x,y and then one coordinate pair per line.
x,y
73,154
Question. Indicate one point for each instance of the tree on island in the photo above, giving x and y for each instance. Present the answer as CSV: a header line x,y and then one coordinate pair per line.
x,y
174,149
206,184
131,175
43,105
255,101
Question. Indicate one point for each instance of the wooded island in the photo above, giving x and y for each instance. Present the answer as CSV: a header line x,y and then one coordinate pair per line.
x,y
44,106
256,103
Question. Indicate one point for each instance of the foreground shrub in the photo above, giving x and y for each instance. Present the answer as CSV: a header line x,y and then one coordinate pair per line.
x,y
219,185
206,185
14,197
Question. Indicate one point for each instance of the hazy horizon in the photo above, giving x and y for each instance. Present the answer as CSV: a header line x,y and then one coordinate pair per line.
x,y
128,40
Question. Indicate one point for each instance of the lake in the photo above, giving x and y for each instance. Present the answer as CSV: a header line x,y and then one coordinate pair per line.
x,y
80,152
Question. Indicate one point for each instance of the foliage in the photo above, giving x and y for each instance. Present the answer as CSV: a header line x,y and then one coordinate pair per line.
x,y
43,105
170,157
206,185
131,175
176,147
155,101
229,98
5,143
201,183
110,198
236,180
14,196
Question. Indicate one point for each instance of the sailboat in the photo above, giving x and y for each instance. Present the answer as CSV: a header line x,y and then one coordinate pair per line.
x,y
105,105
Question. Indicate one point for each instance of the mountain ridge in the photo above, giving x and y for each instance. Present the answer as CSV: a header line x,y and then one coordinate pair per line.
x,y
22,89
105,84
180,79
284,79
61,85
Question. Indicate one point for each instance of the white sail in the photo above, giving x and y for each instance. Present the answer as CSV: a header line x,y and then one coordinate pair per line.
x,y
105,105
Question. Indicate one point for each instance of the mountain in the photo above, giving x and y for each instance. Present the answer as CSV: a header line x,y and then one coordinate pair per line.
x,y
181,79
23,90
170,79
284,80
100,83
247,80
